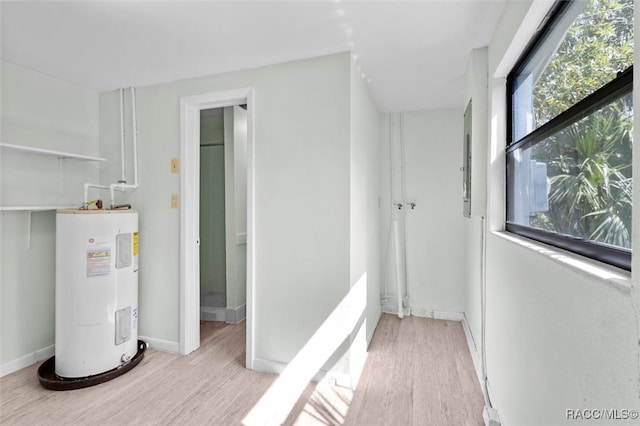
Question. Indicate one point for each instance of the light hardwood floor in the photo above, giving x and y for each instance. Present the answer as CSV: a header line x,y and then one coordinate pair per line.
x,y
419,372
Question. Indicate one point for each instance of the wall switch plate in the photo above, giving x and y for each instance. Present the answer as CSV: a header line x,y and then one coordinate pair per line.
x,y
174,201
174,165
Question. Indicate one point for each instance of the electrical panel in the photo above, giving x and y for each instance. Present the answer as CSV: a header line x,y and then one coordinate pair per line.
x,y
466,164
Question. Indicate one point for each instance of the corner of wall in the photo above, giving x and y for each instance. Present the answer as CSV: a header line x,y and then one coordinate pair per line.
x,y
49,114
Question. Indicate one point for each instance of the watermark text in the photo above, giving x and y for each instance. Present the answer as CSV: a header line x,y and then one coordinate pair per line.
x,y
602,414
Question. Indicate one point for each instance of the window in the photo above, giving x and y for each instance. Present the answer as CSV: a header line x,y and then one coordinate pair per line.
x,y
569,174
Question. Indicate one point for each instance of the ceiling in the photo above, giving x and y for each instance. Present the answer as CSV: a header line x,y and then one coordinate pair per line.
x,y
412,53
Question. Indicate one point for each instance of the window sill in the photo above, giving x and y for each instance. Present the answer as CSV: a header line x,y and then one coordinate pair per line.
x,y
615,277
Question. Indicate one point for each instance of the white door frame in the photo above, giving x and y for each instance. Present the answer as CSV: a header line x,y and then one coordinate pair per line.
x,y
190,108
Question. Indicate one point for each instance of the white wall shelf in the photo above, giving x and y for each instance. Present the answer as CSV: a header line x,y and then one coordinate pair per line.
x,y
34,208
41,151
60,155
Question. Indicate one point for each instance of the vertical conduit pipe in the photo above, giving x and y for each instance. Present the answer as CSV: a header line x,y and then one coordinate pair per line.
x,y
399,275
123,173
122,186
483,308
405,202
135,138
390,235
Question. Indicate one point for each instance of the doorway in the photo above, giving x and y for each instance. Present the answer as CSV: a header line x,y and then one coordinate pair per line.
x,y
223,214
213,256
190,110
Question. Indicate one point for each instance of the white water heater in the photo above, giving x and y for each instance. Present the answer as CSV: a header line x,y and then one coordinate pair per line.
x,y
96,291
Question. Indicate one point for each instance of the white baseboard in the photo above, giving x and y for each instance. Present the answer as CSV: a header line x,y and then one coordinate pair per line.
x,y
436,314
449,316
276,367
473,350
267,366
213,313
236,315
342,380
27,360
477,365
393,310
490,393
373,329
161,345
49,351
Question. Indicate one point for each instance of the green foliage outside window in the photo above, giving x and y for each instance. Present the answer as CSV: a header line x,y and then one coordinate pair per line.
x,y
589,162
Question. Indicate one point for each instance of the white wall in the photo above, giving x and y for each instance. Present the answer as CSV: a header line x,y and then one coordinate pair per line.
x,y
235,123
435,228
435,232
554,329
302,175
37,111
475,226
558,337
365,209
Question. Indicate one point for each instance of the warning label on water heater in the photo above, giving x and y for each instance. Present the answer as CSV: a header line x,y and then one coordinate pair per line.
x,y
135,252
98,258
135,243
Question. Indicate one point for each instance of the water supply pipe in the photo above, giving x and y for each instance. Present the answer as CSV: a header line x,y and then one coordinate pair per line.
x,y
85,199
399,275
122,185
135,138
407,203
390,234
397,231
123,178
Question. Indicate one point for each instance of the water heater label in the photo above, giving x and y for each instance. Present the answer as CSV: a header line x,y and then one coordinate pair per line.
x,y
135,252
135,243
98,258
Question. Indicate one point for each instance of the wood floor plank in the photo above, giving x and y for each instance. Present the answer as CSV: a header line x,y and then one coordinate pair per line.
x,y
418,372
428,357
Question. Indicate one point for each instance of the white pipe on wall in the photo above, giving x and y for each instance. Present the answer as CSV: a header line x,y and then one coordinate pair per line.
x,y
397,230
122,186
391,205
405,202
85,199
123,178
135,138
483,309
399,274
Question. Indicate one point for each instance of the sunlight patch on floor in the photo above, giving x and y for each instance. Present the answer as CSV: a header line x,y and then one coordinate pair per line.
x,y
328,405
276,403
